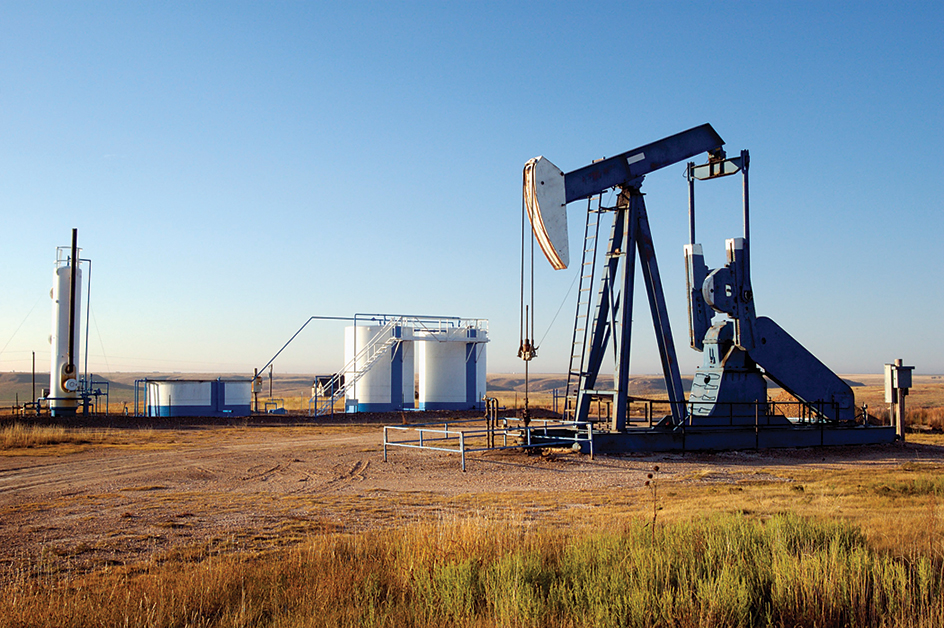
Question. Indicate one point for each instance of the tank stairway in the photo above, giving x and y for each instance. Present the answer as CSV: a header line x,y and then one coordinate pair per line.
x,y
377,348
584,304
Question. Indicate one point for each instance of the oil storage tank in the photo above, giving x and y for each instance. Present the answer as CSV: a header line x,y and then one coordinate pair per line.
x,y
452,368
385,355
198,397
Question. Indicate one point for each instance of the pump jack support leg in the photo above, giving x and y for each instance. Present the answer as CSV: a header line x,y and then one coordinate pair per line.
x,y
623,333
600,331
660,316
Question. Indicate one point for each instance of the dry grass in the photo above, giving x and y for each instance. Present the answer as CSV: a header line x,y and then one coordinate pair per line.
x,y
30,439
929,417
784,546
22,435
787,546
924,404
722,571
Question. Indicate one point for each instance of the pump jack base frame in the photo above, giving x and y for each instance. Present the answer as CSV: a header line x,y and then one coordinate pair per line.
x,y
657,439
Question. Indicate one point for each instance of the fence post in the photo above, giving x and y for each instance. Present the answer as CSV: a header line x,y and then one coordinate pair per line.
x,y
756,425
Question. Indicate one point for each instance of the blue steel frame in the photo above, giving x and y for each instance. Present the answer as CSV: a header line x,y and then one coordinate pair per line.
x,y
631,233
756,339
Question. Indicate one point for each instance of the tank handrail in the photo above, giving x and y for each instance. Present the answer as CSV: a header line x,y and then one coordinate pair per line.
x,y
419,320
334,384
423,321
437,335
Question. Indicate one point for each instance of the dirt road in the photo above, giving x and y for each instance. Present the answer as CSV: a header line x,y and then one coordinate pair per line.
x,y
221,488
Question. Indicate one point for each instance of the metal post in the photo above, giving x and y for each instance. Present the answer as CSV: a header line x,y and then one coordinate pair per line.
x,y
745,162
822,427
629,201
899,405
462,448
489,433
660,315
385,443
255,395
70,368
88,317
689,174
756,426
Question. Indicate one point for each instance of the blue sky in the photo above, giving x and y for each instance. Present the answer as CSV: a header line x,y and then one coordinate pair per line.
x,y
234,168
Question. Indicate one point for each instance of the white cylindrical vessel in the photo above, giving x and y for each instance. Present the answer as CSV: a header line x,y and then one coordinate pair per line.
x,y
198,397
452,368
179,398
63,387
386,359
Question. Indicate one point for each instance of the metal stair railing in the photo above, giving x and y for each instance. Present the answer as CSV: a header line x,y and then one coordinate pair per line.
x,y
584,304
350,374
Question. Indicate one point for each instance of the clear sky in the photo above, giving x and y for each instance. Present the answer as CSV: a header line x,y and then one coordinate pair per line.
x,y
234,168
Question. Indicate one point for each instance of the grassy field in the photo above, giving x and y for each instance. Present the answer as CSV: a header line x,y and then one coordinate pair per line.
x,y
729,570
26,436
796,546
803,547
21,438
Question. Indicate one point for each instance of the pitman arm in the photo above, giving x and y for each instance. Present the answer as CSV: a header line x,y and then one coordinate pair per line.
x,y
699,314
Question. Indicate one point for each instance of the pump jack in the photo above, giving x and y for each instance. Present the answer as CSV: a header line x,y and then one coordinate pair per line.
x,y
728,401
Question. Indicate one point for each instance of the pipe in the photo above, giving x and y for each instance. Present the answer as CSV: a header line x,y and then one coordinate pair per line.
x,y
745,163
690,175
70,367
88,318
320,318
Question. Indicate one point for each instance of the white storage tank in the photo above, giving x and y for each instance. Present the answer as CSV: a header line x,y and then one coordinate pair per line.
x,y
388,385
198,397
63,389
452,369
